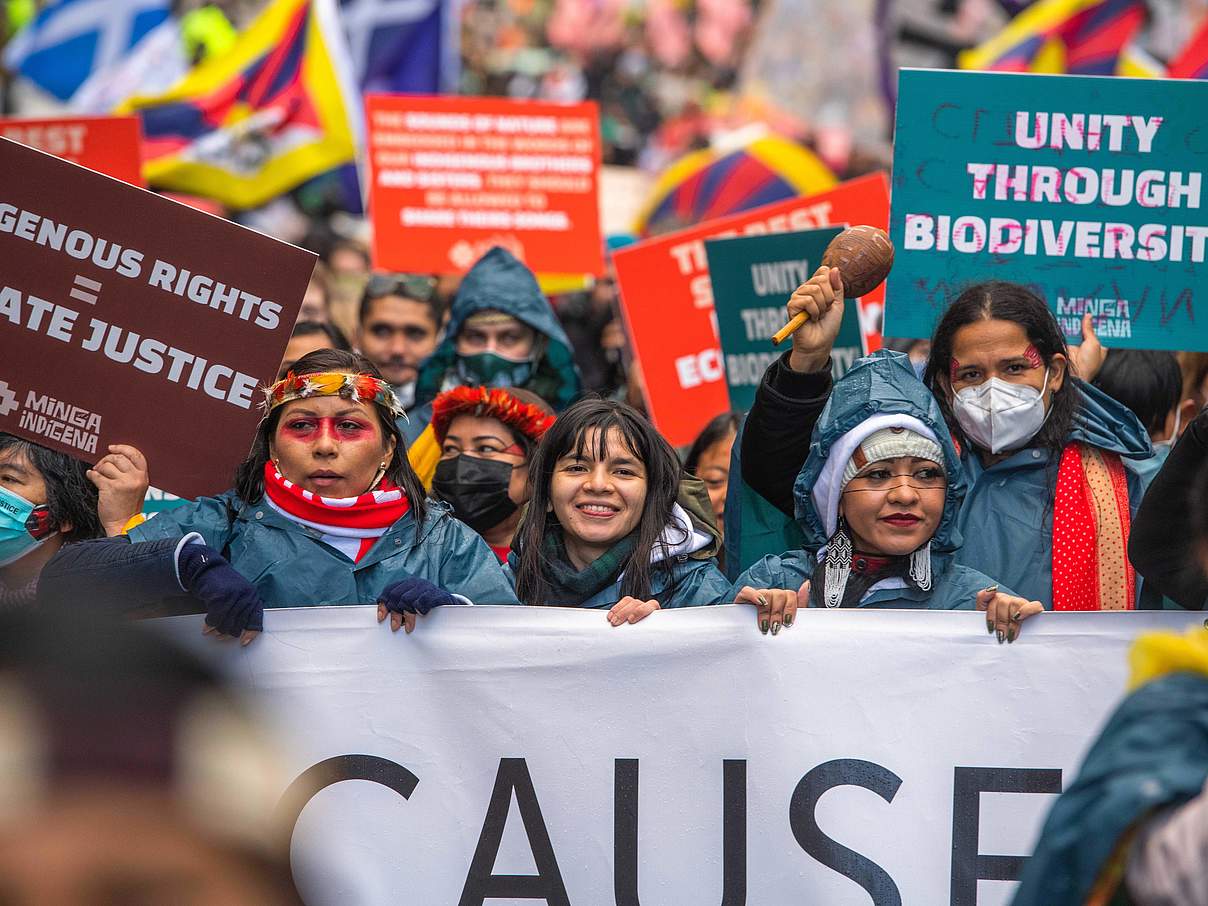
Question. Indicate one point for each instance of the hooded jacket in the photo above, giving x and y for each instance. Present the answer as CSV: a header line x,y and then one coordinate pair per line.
x,y
291,567
880,384
694,579
497,282
500,282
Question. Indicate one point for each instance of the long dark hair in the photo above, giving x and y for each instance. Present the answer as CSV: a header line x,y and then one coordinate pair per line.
x,y
569,434
1001,301
70,496
249,477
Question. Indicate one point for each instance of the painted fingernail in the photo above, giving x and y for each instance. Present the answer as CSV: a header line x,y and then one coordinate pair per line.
x,y
776,627
1001,636
990,628
763,626
788,619
1010,634
990,590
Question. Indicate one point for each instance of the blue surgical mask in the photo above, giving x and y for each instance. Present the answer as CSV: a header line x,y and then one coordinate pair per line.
x,y
23,526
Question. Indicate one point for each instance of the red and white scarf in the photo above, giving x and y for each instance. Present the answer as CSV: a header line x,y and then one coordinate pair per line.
x,y
1091,522
349,524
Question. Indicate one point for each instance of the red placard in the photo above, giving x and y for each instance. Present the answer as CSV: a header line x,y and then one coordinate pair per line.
x,y
107,144
452,176
129,318
667,299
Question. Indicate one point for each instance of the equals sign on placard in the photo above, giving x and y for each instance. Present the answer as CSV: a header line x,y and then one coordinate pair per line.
x,y
85,290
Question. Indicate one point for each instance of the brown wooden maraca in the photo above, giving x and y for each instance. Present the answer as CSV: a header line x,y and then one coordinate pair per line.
x,y
863,254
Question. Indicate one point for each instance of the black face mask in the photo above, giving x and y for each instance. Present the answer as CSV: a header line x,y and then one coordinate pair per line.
x,y
476,488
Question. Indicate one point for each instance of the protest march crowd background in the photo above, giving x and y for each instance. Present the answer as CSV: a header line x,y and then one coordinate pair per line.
x,y
388,393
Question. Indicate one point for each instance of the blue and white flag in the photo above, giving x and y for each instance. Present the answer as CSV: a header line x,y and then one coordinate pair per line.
x,y
402,45
70,39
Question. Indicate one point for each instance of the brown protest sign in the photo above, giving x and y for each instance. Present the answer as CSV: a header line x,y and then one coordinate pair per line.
x,y
129,318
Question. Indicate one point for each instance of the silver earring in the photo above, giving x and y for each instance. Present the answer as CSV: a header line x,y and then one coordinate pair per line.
x,y
838,566
920,567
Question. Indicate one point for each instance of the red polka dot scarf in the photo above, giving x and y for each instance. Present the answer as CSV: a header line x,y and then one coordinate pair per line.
x,y
1091,521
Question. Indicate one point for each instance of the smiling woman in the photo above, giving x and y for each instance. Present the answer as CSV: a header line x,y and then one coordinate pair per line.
x,y
604,528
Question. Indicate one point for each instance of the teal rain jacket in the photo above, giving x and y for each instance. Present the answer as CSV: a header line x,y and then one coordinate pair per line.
x,y
881,383
291,567
694,578
1152,754
1008,513
499,282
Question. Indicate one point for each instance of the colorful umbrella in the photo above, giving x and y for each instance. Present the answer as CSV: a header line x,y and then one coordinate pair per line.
x,y
705,185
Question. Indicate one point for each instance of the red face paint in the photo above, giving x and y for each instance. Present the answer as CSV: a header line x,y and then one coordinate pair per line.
x,y
1032,356
953,367
345,428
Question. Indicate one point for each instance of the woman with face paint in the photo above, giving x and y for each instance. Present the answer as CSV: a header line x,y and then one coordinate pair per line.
x,y
878,502
487,437
46,501
1049,505
325,510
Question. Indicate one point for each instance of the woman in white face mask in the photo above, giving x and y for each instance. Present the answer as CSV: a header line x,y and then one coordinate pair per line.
x,y
1050,504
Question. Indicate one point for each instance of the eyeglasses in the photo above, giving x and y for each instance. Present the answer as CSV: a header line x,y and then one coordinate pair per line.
x,y
419,287
923,478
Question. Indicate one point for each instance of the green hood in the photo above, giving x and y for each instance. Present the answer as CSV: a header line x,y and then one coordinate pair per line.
x,y
500,282
879,384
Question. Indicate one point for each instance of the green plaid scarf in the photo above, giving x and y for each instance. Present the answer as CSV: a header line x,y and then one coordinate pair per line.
x,y
571,587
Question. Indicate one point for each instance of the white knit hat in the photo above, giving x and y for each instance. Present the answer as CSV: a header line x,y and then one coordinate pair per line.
x,y
834,476
891,443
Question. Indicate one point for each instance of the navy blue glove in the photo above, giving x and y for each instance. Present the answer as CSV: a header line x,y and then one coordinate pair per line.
x,y
414,595
232,604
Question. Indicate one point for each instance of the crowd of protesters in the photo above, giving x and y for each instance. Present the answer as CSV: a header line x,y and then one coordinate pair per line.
x,y
444,451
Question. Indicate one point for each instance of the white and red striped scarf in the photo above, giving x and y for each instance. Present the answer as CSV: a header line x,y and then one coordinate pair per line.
x,y
349,524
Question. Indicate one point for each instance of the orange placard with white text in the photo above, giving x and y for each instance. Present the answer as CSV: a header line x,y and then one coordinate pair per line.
x,y
667,299
452,176
106,144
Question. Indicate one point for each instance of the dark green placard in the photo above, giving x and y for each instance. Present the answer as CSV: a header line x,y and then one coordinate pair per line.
x,y
753,277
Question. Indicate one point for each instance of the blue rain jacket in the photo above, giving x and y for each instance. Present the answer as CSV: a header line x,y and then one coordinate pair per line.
x,y
291,567
881,383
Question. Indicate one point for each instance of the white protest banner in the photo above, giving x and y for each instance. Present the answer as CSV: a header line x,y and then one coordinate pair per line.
x,y
520,755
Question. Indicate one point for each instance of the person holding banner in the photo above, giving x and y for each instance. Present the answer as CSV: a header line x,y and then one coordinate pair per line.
x,y
487,437
611,523
501,333
326,510
46,500
1041,450
879,500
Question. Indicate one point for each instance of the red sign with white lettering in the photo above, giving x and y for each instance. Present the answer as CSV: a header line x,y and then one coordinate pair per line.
x,y
107,144
667,299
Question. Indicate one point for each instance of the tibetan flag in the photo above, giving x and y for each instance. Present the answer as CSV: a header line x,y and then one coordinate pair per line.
x,y
1192,61
1082,37
712,183
248,125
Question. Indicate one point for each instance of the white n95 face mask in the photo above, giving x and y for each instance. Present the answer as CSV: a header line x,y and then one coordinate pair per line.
x,y
998,415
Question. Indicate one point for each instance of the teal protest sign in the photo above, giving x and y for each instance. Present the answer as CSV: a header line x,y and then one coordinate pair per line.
x,y
1088,189
753,277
